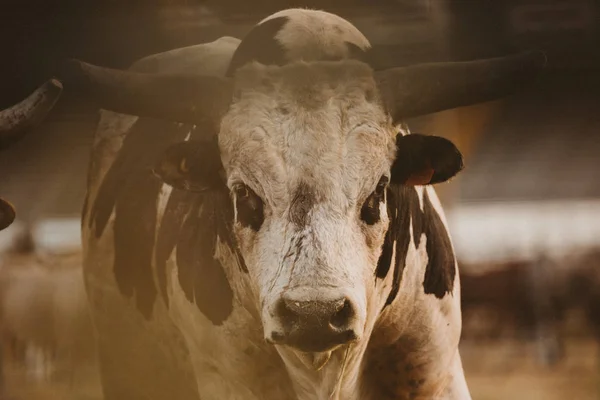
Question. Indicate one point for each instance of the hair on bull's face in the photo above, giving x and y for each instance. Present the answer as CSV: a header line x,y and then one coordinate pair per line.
x,y
306,150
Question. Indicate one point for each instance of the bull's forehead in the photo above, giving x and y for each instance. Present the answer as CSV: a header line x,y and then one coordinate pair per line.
x,y
307,125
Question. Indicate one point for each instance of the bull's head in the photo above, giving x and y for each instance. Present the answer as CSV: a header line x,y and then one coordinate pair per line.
x,y
18,120
306,151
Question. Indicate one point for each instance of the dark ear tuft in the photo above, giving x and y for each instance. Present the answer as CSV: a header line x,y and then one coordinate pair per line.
x,y
425,160
193,166
7,214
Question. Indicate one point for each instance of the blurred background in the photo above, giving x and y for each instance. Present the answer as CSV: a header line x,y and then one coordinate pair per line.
x,y
524,215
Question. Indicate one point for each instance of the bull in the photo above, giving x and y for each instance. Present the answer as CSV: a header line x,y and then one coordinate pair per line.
x,y
260,223
19,119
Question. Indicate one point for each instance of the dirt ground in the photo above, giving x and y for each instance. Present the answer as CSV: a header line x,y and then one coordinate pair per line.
x,y
507,370
502,370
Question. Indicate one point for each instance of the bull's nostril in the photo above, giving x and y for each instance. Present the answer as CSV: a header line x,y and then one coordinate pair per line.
x,y
316,324
341,318
349,335
285,313
276,337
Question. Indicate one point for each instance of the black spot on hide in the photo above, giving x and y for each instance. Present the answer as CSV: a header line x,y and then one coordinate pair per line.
x,y
130,189
191,222
403,204
201,275
260,45
417,154
441,267
178,207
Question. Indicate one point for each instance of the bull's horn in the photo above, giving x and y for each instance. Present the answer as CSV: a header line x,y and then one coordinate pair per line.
x,y
427,88
174,97
16,120
7,214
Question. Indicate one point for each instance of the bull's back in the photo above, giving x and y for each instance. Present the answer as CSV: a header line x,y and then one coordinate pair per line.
x,y
142,354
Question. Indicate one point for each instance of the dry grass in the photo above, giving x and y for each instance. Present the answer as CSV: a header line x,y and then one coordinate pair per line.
x,y
497,370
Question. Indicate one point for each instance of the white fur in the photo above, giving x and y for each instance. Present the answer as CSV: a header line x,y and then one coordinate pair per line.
x,y
310,32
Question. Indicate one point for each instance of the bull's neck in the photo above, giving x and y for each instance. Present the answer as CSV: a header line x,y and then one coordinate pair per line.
x,y
335,380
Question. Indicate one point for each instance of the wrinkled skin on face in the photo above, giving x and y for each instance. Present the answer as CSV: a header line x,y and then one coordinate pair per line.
x,y
309,145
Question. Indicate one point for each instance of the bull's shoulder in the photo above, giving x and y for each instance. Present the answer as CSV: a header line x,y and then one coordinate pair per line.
x,y
416,332
210,58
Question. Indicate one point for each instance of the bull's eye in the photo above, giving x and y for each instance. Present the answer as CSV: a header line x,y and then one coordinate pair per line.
x,y
183,166
249,207
370,209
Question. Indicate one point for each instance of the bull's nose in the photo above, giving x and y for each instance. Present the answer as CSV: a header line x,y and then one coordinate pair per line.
x,y
334,314
315,325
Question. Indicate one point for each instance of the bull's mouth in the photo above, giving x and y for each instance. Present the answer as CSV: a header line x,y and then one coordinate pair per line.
x,y
306,342
313,322
315,361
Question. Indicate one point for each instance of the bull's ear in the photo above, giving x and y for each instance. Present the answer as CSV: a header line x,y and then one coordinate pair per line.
x,y
193,166
425,160
7,214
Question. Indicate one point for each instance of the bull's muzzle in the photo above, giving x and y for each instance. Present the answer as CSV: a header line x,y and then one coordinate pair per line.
x,y
314,323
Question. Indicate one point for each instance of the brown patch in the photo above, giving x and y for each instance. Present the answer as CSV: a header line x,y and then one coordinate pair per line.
x,y
391,371
420,177
423,160
201,275
371,95
283,110
260,45
302,203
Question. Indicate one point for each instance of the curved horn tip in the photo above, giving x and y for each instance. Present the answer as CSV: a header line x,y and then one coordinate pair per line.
x,y
55,83
52,87
71,71
7,214
73,62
